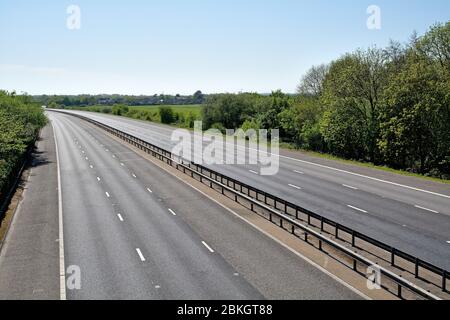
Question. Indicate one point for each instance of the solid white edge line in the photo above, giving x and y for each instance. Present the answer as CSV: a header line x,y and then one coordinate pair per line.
x,y
172,212
356,208
426,209
361,175
298,254
208,247
294,186
141,256
62,267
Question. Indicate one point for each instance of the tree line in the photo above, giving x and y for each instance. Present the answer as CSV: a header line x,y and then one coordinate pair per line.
x,y
389,106
20,121
85,100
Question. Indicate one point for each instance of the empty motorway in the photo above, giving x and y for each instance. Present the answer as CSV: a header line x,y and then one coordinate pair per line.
x,y
406,212
133,231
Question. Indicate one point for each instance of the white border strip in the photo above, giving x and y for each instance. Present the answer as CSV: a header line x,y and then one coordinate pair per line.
x,y
62,267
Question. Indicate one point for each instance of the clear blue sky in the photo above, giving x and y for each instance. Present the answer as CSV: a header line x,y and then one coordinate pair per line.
x,y
179,46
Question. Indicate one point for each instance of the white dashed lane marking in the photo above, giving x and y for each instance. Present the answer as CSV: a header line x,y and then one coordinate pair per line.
x,y
149,190
120,217
299,172
207,247
253,171
357,209
426,209
172,212
107,194
350,187
295,187
141,256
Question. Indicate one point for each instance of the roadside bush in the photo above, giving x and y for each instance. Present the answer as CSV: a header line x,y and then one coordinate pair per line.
x,y
167,115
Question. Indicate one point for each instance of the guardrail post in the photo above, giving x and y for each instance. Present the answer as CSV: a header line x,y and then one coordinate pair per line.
x,y
337,231
296,213
393,257
399,291
321,224
353,238
355,265
417,268
444,281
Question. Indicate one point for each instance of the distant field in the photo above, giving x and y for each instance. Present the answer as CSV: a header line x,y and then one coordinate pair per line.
x,y
184,115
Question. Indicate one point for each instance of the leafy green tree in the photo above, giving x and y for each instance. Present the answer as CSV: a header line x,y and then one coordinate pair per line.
x,y
312,82
345,131
198,97
415,122
228,109
358,79
167,115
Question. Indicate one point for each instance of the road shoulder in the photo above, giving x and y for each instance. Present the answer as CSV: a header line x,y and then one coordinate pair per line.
x,y
29,256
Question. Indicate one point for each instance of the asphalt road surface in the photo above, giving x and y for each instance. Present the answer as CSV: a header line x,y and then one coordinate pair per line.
x,y
133,231
409,213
